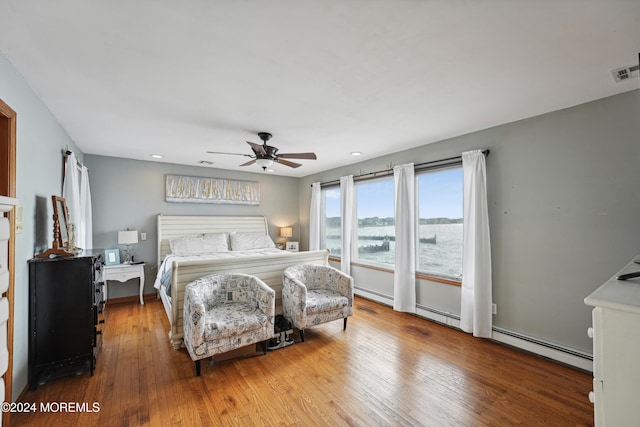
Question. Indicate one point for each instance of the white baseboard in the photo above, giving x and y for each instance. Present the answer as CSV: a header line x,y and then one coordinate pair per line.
x,y
555,352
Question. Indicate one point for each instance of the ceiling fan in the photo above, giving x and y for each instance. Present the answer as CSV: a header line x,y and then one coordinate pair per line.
x,y
264,155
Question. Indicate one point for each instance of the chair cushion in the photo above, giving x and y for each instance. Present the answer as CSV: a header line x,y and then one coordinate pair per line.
x,y
323,300
233,319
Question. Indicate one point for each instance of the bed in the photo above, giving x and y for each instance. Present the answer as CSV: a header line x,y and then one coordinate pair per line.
x,y
176,271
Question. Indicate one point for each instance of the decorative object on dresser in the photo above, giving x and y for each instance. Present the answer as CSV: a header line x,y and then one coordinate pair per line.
x,y
122,273
60,245
66,302
616,350
128,237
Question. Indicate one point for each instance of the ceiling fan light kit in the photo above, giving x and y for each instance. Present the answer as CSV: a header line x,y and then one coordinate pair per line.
x,y
265,155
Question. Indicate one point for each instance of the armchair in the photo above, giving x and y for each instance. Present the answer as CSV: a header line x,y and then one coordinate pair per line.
x,y
223,312
315,294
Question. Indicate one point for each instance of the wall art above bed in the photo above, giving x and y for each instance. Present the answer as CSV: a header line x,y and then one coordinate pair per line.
x,y
190,189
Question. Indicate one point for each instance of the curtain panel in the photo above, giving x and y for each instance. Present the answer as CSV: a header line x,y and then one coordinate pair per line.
x,y
77,197
315,216
404,277
476,293
347,213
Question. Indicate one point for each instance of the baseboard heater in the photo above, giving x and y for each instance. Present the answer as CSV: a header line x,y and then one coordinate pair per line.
x,y
534,345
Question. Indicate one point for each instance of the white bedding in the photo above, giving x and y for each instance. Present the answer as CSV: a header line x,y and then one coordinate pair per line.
x,y
167,263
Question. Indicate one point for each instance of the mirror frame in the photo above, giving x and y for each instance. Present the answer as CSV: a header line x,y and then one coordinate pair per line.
x,y
61,219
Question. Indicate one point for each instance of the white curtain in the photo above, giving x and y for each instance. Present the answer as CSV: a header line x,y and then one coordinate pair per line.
x,y
85,226
476,298
404,278
347,214
315,215
77,196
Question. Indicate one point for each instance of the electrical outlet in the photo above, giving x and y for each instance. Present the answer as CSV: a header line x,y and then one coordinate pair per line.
x,y
143,235
494,308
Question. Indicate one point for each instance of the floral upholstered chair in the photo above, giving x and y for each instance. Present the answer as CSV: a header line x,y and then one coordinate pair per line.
x,y
223,312
315,294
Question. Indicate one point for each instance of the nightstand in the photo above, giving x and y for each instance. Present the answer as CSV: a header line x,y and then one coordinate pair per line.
x,y
122,273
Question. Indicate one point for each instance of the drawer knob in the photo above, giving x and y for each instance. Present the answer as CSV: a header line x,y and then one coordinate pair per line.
x,y
590,332
592,397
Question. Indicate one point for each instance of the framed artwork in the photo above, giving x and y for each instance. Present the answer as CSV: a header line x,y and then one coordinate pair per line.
x,y
292,246
193,189
112,256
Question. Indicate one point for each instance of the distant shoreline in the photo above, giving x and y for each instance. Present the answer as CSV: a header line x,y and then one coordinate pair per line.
x,y
382,222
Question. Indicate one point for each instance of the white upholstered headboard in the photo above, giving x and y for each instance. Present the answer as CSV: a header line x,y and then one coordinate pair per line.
x,y
173,226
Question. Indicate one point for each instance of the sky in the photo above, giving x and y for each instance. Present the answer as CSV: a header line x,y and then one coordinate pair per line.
x,y
439,196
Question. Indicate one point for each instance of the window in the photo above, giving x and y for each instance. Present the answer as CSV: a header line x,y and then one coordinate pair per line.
x,y
376,225
440,223
333,223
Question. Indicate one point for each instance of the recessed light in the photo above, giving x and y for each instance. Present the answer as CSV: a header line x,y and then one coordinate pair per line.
x,y
270,170
356,153
157,156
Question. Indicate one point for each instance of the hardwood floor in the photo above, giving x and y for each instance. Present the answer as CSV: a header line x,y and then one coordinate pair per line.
x,y
387,368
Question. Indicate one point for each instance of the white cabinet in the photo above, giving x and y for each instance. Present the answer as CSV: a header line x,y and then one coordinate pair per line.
x,y
616,351
6,204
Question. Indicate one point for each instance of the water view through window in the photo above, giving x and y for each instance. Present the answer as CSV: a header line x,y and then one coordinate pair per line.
x,y
439,205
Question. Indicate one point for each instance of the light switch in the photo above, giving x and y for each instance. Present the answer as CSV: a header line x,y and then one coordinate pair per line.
x,y
143,235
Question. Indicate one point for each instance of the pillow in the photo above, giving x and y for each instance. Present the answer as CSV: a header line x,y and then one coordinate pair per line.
x,y
195,245
247,241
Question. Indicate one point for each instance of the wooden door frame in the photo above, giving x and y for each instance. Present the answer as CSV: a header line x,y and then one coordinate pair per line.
x,y
8,161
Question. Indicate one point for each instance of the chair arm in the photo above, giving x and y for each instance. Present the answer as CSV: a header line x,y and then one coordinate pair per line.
x,y
294,300
341,283
194,314
265,299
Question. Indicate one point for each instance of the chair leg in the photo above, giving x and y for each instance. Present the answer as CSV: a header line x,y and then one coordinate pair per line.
x,y
197,368
302,335
345,324
264,347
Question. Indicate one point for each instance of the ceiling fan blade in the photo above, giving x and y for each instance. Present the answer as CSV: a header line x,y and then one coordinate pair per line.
x,y
311,156
249,163
287,163
231,154
257,148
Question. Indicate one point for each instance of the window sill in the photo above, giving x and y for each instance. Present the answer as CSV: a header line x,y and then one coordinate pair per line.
x,y
421,276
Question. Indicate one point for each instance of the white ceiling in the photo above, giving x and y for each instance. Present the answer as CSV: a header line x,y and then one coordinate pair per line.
x,y
178,78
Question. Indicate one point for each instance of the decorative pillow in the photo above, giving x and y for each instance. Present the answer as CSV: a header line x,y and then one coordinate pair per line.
x,y
194,245
247,241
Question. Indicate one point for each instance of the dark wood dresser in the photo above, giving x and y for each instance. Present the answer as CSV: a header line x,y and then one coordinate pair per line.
x,y
66,303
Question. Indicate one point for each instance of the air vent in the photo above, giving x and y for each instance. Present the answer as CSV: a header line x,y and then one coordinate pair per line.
x,y
625,73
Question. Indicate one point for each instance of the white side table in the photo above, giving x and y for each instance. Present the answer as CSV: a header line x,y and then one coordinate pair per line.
x,y
122,273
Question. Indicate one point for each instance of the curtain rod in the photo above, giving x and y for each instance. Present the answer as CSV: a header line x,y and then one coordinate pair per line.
x,y
384,172
68,153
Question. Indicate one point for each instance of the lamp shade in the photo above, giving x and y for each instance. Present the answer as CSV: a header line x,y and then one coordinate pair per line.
x,y
127,237
264,163
286,231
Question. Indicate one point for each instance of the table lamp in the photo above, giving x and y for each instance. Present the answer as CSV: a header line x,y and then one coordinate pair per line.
x,y
286,232
128,237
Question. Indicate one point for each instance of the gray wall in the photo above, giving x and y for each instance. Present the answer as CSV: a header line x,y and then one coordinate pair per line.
x,y
130,193
564,211
41,142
